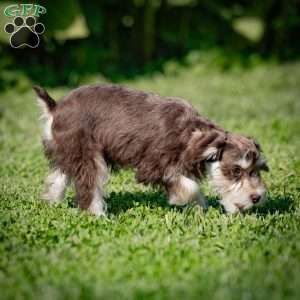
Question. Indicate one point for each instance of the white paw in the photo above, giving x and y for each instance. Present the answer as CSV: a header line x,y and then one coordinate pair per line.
x,y
55,185
98,208
229,207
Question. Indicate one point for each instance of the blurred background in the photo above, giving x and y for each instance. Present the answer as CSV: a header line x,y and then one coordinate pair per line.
x,y
123,39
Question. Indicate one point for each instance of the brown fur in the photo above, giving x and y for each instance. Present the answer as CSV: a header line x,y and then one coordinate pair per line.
x,y
159,137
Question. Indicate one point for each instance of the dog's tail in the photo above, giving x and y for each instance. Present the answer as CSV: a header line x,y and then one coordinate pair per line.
x,y
46,103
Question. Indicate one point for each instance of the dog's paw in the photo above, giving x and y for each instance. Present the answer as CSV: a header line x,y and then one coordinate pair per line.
x,y
24,32
229,208
98,208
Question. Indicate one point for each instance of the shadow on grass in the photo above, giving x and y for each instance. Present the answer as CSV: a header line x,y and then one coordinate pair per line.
x,y
276,204
123,201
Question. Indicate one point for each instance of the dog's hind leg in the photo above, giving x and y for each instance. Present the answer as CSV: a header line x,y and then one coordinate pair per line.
x,y
55,185
89,183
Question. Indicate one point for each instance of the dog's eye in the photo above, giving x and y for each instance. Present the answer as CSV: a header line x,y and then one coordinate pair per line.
x,y
237,171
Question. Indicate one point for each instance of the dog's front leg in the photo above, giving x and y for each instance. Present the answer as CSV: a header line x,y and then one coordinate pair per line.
x,y
184,190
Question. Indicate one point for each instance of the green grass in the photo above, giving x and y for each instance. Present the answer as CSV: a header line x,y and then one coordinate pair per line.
x,y
146,249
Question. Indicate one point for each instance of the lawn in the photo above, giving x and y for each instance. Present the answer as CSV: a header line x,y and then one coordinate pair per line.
x,y
146,249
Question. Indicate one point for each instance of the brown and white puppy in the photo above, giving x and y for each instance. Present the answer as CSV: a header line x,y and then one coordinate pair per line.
x,y
163,139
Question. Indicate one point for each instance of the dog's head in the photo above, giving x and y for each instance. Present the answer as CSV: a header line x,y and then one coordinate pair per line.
x,y
234,163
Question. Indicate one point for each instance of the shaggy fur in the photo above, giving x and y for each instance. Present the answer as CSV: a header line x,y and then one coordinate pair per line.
x,y
164,139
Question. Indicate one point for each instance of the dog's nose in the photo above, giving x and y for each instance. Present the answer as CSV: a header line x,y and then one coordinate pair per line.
x,y
255,198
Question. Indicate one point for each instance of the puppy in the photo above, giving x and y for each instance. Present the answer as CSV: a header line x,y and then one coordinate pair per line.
x,y
164,139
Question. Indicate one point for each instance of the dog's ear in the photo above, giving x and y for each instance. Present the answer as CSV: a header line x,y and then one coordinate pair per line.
x,y
257,145
261,162
206,146
262,165
215,143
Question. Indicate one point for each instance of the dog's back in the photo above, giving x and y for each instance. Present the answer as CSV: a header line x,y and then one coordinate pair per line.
x,y
124,124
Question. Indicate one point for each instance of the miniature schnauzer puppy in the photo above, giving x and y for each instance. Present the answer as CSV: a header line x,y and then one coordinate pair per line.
x,y
164,139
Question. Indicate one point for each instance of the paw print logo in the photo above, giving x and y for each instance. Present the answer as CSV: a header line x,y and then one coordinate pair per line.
x,y
24,32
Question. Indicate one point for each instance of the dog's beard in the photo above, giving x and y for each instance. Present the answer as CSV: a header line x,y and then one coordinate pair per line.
x,y
235,195
235,199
